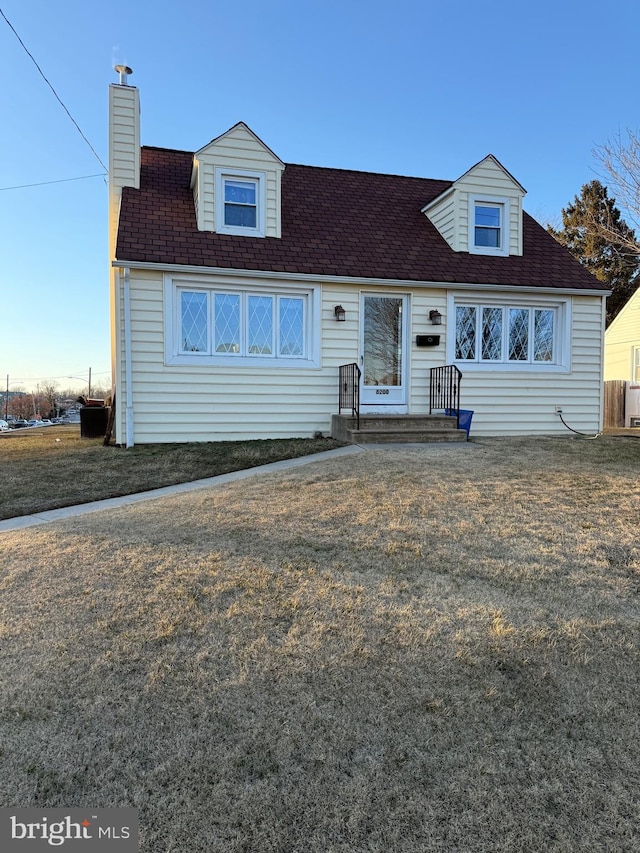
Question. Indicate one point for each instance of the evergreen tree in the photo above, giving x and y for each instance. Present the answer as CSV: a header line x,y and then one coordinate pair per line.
x,y
597,235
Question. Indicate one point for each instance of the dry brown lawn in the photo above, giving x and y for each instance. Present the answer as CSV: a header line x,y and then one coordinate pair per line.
x,y
429,649
51,467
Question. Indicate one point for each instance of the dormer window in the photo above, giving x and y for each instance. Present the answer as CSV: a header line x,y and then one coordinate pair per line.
x,y
488,225
240,202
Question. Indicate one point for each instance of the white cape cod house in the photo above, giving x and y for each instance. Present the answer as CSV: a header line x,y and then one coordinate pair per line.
x,y
240,285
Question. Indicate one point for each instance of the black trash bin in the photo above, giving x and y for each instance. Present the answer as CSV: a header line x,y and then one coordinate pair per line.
x,y
93,421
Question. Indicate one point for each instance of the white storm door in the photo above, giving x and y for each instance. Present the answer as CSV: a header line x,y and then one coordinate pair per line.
x,y
383,348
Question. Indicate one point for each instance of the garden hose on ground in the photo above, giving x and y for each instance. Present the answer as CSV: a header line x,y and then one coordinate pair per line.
x,y
583,434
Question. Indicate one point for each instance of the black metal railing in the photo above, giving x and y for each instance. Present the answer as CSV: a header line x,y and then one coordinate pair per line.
x,y
444,390
349,394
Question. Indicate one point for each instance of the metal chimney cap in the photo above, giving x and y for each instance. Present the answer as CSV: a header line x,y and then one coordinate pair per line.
x,y
123,71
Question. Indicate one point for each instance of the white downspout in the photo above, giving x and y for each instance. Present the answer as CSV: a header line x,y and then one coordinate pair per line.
x,y
603,327
128,401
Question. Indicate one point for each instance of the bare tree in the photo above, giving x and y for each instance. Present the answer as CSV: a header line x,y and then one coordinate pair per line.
x,y
18,404
620,161
48,396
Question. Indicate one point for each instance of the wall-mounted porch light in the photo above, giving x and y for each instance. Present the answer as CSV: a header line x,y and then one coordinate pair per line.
x,y
436,317
339,313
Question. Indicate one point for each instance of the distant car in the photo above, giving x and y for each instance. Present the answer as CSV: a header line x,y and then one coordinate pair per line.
x,y
19,423
4,426
45,422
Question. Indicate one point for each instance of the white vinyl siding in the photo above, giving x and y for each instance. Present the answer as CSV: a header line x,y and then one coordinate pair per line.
x,y
124,136
453,213
237,151
443,216
522,402
226,400
124,149
487,179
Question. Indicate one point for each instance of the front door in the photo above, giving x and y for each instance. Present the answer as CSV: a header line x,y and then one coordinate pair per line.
x,y
383,351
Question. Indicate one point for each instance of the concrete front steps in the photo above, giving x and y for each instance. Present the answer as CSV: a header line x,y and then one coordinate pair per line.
x,y
380,429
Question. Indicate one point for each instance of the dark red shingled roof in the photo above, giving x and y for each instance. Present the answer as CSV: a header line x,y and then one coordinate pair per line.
x,y
334,222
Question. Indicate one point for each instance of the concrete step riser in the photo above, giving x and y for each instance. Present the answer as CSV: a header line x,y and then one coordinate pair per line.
x,y
396,428
411,437
399,422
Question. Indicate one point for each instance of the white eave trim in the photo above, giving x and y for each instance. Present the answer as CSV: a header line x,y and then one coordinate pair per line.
x,y
437,200
190,269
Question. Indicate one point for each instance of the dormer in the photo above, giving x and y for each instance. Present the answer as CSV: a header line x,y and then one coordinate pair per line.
x,y
236,185
481,213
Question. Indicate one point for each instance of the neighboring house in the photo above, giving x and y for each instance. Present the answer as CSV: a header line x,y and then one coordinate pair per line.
x,y
228,266
622,359
622,344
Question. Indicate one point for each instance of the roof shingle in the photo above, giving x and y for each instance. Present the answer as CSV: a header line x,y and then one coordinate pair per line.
x,y
334,223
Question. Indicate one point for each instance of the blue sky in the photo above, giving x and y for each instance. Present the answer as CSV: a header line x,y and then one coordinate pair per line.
x,y
412,87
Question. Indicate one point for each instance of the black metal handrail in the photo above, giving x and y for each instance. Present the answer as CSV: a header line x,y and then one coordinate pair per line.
x,y
444,390
349,394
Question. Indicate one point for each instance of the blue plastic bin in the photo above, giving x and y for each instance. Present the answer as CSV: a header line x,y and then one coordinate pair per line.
x,y
465,418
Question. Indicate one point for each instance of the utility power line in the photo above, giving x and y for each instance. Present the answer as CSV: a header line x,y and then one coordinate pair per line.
x,y
60,181
58,98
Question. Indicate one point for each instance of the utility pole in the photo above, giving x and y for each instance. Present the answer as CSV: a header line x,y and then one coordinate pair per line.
x,y
6,400
89,393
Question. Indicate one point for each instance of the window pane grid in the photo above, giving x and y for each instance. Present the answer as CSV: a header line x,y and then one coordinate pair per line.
x,y
505,334
226,312
465,332
242,324
543,336
260,325
291,316
194,311
518,334
491,334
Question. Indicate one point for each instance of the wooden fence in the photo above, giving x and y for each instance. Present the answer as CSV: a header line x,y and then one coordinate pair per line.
x,y
614,393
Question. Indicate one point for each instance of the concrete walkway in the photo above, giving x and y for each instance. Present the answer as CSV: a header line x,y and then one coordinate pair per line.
x,y
181,488
96,506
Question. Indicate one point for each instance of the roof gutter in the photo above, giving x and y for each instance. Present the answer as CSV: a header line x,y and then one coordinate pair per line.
x,y
190,269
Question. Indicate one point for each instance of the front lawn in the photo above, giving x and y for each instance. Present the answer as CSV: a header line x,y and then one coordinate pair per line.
x,y
51,467
429,649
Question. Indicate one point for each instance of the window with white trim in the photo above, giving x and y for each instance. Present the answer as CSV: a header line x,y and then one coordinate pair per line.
x,y
488,225
240,202
518,334
212,324
635,366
